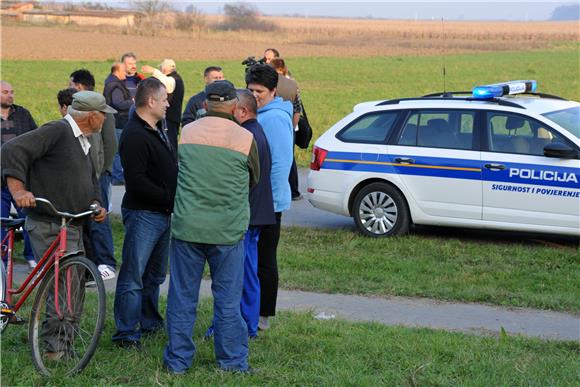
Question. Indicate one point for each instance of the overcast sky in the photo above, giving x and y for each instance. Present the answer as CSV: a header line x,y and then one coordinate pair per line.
x,y
424,9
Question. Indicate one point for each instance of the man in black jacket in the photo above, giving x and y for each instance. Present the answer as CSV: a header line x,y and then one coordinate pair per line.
x,y
150,163
118,96
195,106
175,99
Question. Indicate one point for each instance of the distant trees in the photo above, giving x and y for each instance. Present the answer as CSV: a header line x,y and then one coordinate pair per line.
x,y
566,12
243,16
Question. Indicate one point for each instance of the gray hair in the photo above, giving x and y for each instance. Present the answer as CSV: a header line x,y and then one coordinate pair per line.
x,y
219,106
247,100
77,114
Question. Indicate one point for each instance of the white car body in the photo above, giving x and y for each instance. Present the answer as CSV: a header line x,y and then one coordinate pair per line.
x,y
475,187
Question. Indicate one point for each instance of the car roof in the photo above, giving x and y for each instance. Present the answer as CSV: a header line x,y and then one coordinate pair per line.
x,y
537,105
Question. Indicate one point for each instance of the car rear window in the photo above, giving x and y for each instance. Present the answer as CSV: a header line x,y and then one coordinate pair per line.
x,y
371,128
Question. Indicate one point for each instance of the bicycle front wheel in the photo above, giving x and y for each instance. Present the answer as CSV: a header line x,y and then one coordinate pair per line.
x,y
67,318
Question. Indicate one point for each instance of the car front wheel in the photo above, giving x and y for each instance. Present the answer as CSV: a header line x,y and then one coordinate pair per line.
x,y
379,210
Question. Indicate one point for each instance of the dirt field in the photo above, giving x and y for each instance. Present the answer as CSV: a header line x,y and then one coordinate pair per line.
x,y
296,37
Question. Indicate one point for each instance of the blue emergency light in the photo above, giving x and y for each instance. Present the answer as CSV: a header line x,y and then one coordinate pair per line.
x,y
500,89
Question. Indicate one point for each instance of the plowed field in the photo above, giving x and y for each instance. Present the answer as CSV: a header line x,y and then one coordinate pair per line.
x,y
295,37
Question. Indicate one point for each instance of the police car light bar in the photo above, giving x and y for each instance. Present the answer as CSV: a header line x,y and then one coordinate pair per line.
x,y
500,89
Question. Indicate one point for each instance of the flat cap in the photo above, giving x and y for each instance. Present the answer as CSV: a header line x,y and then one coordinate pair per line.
x,y
220,91
89,101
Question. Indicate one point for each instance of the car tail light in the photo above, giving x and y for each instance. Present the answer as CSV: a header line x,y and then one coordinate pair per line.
x,y
318,156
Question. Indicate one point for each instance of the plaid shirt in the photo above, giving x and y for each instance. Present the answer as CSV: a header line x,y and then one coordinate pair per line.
x,y
19,122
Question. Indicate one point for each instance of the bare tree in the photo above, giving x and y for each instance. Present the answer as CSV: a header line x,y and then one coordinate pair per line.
x,y
243,16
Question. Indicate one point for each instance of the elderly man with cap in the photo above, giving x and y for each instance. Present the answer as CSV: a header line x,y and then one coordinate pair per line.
x,y
53,162
218,162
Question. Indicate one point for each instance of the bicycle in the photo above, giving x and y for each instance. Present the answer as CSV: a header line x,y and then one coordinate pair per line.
x,y
69,304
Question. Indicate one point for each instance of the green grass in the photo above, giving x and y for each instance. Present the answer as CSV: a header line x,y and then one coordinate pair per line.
x,y
331,86
448,267
300,350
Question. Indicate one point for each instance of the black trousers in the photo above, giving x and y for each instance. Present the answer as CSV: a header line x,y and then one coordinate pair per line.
x,y
268,266
293,179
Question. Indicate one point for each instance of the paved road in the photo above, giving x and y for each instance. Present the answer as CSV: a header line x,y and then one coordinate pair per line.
x,y
302,212
414,312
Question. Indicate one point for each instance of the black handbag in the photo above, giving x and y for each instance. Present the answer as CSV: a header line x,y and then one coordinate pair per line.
x,y
304,133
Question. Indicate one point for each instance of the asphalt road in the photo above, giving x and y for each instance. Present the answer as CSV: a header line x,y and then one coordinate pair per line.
x,y
302,212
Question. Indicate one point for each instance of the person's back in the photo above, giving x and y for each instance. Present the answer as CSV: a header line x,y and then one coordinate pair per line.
x,y
213,176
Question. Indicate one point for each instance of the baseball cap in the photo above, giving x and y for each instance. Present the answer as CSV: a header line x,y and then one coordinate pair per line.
x,y
88,101
220,91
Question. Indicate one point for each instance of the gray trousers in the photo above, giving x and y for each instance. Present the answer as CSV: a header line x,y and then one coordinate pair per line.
x,y
58,335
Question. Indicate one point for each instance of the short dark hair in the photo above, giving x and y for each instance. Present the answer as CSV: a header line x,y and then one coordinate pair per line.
x,y
210,69
65,96
83,77
128,55
149,87
262,74
247,100
276,52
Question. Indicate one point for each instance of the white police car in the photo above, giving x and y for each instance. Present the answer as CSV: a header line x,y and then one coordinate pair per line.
x,y
490,159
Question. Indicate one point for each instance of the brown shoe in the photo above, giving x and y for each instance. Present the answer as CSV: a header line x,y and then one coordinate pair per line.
x,y
54,356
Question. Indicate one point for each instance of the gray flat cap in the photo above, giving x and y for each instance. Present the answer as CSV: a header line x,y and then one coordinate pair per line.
x,y
89,101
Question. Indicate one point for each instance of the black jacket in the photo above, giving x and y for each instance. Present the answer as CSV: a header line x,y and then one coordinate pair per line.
x,y
261,201
121,101
150,168
175,99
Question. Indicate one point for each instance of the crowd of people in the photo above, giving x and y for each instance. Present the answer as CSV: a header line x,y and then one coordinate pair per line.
x,y
206,185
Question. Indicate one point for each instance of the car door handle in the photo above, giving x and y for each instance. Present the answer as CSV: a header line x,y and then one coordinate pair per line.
x,y
499,167
405,160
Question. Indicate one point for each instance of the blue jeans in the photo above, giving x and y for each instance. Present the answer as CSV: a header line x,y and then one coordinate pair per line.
x,y
101,233
7,201
250,305
226,263
144,267
117,176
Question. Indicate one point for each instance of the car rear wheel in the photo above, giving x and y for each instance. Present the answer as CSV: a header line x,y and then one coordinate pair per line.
x,y
379,210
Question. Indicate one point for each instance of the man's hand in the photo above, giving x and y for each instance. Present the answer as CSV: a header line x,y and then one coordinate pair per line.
x,y
24,199
101,216
147,69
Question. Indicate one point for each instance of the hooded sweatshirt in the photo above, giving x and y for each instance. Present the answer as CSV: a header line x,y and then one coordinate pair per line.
x,y
276,119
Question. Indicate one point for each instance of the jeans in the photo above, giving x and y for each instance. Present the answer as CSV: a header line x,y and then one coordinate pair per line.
x,y
144,267
250,305
7,201
226,263
101,234
117,176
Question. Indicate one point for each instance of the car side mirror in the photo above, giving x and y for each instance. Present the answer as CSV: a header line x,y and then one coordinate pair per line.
x,y
560,150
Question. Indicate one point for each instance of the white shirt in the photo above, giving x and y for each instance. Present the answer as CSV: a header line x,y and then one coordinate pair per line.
x,y
84,141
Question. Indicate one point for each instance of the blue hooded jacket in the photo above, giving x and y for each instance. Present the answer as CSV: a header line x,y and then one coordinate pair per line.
x,y
276,119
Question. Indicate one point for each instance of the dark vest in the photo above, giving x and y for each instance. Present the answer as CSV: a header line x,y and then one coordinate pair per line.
x,y
175,100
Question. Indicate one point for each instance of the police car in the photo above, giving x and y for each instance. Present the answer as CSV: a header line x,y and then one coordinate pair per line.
x,y
499,157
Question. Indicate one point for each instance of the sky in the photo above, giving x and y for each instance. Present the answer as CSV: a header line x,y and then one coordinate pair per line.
x,y
413,9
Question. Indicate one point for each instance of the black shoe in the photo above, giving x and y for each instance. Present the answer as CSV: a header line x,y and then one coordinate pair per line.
x,y
129,344
297,197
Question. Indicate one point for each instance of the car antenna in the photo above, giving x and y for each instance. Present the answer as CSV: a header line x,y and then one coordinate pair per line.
x,y
444,52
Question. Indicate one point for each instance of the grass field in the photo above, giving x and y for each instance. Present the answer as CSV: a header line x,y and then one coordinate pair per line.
x,y
331,86
301,351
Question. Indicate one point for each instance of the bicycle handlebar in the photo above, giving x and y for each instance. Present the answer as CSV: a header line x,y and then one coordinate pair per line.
x,y
93,210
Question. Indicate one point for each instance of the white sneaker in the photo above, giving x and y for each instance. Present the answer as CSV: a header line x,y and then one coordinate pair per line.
x,y
264,323
32,264
107,272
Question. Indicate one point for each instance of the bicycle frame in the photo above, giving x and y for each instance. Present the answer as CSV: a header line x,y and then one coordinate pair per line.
x,y
51,257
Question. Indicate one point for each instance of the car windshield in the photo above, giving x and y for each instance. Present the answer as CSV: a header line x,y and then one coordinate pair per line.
x,y
568,119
